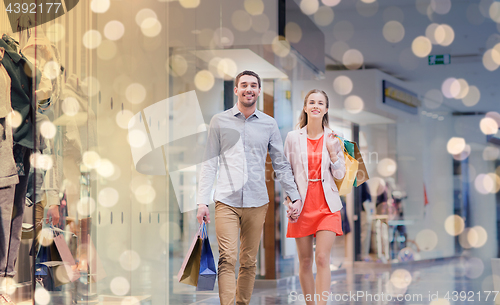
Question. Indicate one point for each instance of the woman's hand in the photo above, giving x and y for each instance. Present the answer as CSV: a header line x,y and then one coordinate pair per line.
x,y
333,146
293,211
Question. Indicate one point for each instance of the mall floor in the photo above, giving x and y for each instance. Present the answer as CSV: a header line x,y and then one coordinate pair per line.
x,y
462,280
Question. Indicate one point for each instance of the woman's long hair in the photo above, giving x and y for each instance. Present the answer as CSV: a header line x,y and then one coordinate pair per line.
x,y
303,115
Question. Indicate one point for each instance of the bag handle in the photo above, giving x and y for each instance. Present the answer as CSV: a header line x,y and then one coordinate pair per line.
x,y
203,230
341,140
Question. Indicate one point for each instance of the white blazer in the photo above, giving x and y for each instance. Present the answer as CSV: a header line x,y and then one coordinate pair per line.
x,y
296,153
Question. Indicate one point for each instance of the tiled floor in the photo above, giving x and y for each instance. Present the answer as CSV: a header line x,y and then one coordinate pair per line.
x,y
464,281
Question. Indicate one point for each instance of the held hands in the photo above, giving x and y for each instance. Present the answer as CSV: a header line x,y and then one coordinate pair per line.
x,y
203,214
333,146
293,211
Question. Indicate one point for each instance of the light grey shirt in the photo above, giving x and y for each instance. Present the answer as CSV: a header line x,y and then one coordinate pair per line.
x,y
239,146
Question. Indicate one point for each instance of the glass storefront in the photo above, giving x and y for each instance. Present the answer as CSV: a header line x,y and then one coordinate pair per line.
x,y
123,92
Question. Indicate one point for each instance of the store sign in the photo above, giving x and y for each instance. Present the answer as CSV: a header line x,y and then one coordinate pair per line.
x,y
443,59
400,98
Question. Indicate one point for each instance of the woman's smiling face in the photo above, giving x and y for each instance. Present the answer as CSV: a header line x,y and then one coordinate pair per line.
x,y
315,106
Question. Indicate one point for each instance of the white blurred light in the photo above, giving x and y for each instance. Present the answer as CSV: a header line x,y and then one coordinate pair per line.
x,y
123,118
472,97
41,161
324,16
86,206
448,37
108,197
293,32
92,39
130,260
204,80
426,240
454,225
421,46
455,145
145,194
450,87
441,7
100,6
393,31
91,159
119,286
42,296
482,236
309,7
494,11
354,104
114,30
401,278
151,27
227,68
254,7
387,167
483,184
135,93
280,46
352,59
342,85
464,89
70,106
48,130
106,168
430,32
136,138
189,3
143,15
464,154
52,70
488,126
490,61
330,2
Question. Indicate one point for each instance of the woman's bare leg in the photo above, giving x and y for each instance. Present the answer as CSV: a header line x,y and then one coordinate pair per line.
x,y
305,252
324,243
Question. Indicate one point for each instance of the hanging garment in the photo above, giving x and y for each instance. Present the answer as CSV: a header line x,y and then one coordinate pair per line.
x,y
21,73
47,58
8,172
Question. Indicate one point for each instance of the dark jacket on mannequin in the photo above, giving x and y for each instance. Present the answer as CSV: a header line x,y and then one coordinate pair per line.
x,y
20,72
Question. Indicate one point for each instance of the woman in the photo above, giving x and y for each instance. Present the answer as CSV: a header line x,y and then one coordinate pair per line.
x,y
317,158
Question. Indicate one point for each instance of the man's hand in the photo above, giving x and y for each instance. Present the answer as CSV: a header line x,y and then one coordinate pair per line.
x,y
53,213
203,214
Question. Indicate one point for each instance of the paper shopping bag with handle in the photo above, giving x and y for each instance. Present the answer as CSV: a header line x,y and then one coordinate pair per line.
x,y
362,175
190,269
345,184
208,273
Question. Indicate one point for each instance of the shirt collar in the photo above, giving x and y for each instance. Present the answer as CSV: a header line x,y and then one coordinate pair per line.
x,y
235,111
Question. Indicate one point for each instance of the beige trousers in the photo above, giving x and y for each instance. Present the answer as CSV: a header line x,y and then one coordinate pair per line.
x,y
228,221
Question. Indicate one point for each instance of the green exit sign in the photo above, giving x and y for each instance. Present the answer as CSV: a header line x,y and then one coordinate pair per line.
x,y
443,59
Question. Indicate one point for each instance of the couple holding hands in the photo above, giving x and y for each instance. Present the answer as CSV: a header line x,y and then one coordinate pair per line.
x,y
312,158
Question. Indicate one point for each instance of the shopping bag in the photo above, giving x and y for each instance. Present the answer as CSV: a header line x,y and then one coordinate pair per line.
x,y
345,184
190,269
208,273
71,273
362,175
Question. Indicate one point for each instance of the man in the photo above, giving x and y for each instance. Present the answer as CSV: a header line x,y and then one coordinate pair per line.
x,y
239,139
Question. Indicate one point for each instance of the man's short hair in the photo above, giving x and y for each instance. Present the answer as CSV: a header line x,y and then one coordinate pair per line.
x,y
246,72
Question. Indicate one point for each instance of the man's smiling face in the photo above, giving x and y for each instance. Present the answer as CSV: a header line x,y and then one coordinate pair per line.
x,y
247,90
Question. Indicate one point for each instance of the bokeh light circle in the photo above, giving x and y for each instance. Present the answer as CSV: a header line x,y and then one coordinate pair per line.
x,y
455,145
135,93
421,46
309,7
354,104
342,85
387,167
204,80
123,118
119,286
130,260
108,197
393,31
324,16
143,15
114,30
92,39
100,6
254,7
454,225
293,32
472,97
353,59
426,240
86,206
151,27
401,278
145,194
488,126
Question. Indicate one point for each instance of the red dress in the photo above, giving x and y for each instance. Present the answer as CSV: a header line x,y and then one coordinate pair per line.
x,y
316,215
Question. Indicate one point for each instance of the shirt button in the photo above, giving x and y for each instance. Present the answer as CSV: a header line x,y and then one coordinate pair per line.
x,y
22,86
